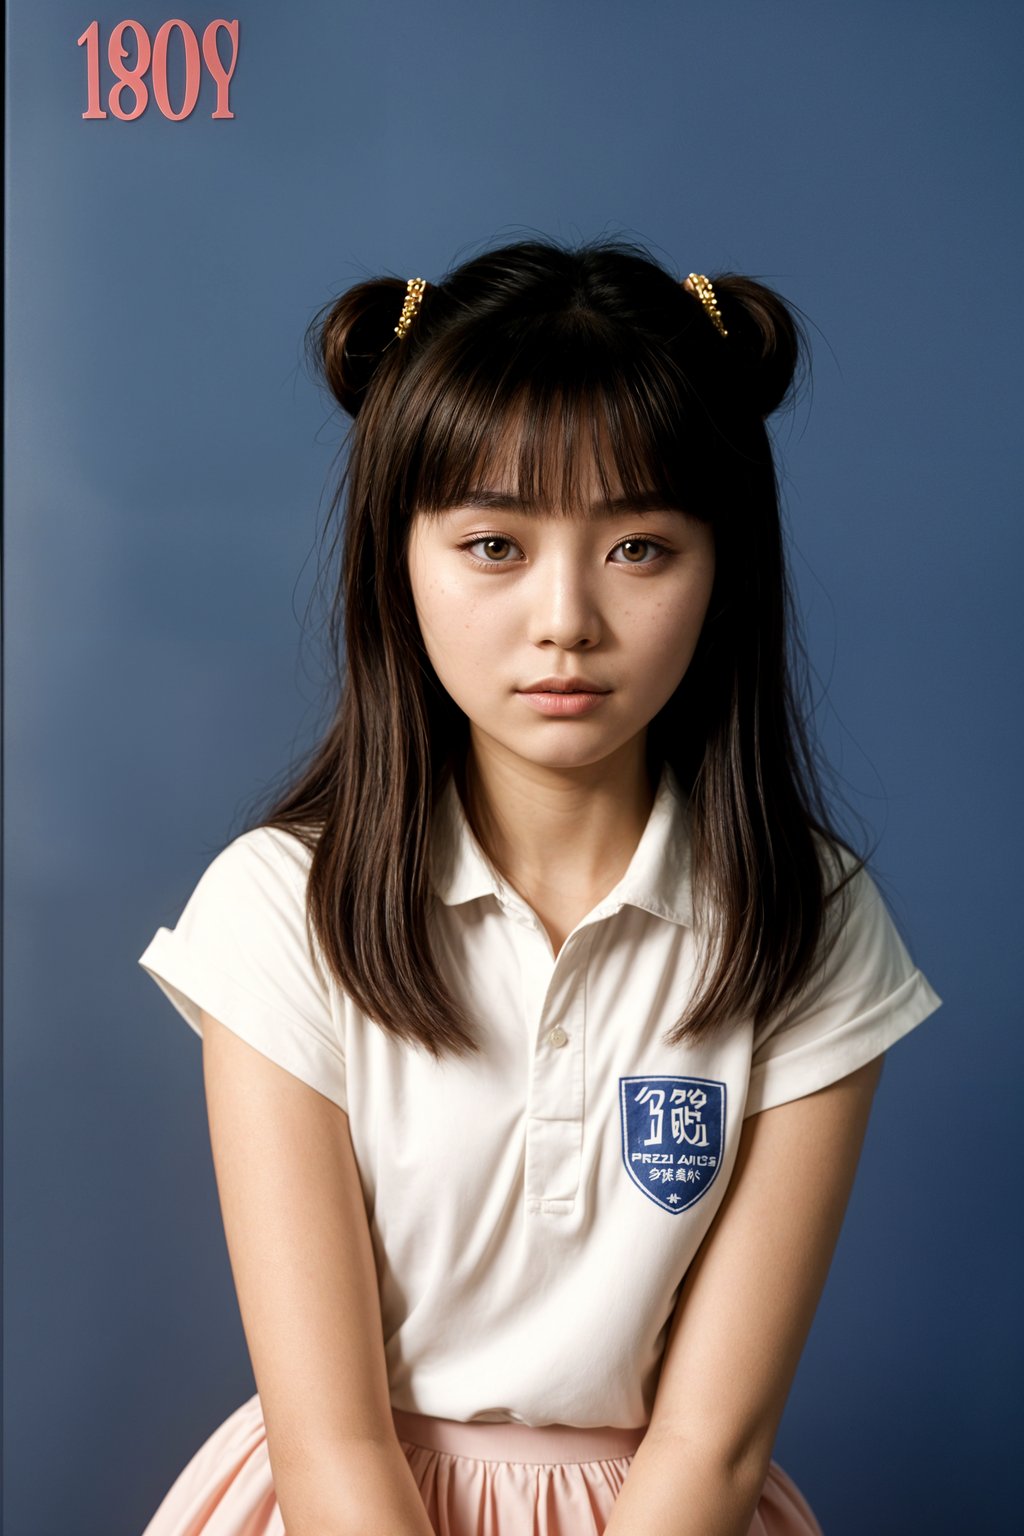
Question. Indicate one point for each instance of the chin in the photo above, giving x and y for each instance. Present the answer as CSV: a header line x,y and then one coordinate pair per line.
x,y
563,755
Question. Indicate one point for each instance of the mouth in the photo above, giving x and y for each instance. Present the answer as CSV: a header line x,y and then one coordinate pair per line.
x,y
563,698
568,685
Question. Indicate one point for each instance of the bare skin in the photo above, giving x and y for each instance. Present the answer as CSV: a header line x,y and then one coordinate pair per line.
x,y
509,598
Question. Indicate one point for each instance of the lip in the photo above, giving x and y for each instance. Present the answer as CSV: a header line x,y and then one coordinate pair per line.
x,y
563,685
563,701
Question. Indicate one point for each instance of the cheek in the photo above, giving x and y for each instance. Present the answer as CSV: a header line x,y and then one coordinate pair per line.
x,y
665,637
434,596
671,624
464,617
464,636
455,623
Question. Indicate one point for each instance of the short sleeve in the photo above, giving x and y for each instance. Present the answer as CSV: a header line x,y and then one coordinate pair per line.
x,y
240,952
867,995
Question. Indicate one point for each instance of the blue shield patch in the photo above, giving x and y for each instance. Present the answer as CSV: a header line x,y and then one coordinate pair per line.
x,y
673,1130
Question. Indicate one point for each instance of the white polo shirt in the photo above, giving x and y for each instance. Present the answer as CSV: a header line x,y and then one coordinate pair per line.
x,y
533,1209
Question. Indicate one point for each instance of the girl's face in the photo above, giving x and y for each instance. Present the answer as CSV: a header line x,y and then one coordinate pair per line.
x,y
513,603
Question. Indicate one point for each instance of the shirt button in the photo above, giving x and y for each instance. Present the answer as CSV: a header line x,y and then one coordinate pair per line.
x,y
558,1035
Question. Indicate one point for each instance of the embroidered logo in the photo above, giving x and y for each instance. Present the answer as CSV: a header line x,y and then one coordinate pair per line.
x,y
673,1129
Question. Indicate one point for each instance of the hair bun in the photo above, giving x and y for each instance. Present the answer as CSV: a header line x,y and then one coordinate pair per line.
x,y
347,337
765,332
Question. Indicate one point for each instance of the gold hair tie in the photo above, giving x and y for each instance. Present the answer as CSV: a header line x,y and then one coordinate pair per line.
x,y
699,285
413,293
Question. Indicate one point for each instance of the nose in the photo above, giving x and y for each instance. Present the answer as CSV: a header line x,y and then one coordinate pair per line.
x,y
563,606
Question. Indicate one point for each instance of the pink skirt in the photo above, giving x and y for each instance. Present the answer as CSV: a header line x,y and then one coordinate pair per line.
x,y
475,1480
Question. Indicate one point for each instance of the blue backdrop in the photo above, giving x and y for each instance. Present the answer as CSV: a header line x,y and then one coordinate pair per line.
x,y
167,463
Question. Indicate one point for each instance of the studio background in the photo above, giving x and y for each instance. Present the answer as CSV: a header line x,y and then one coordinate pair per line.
x,y
168,463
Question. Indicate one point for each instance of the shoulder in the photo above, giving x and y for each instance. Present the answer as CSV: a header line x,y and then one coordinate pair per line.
x,y
249,907
859,935
259,863
864,992
269,845
243,952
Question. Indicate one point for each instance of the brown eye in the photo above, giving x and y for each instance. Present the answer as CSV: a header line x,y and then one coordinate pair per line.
x,y
496,548
636,550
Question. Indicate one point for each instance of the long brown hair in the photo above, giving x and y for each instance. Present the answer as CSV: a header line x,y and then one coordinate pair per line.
x,y
547,343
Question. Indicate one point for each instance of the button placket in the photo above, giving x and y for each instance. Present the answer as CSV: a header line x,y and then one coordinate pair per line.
x,y
554,1127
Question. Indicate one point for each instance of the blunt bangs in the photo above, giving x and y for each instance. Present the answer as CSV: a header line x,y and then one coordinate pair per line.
x,y
530,417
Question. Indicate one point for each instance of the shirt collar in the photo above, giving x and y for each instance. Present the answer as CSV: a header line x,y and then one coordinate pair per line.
x,y
656,879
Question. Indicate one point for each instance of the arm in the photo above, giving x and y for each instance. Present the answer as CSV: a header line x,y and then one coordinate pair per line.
x,y
302,1261
743,1316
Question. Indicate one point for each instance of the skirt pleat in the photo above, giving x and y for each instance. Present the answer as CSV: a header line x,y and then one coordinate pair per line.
x,y
475,1479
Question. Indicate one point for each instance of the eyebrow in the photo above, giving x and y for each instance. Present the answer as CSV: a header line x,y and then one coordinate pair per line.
x,y
506,501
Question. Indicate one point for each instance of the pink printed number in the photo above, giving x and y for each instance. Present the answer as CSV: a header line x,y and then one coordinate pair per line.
x,y
130,55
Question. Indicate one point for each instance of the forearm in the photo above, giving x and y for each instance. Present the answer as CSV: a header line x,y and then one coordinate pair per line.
x,y
367,1489
675,1489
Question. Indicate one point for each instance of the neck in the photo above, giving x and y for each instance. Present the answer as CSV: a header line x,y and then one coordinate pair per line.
x,y
558,833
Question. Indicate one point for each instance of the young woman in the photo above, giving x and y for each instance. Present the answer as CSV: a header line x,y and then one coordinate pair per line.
x,y
543,1011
